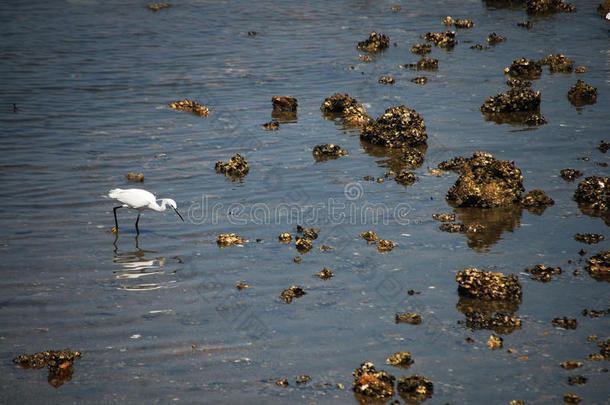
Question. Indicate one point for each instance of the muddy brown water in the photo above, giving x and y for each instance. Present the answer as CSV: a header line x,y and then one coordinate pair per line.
x,y
158,318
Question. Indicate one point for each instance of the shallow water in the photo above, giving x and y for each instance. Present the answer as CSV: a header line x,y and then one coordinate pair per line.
x,y
158,318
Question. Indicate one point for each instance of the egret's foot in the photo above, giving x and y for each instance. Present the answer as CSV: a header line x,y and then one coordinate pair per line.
x,y
115,229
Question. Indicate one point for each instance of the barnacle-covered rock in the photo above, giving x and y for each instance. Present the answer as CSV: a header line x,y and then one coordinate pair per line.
x,y
598,266
459,23
229,239
429,64
581,94
285,237
524,69
519,83
386,80
548,6
292,292
415,389
58,362
526,24
570,364
303,245
159,6
558,63
191,106
514,100
461,228
488,285
408,317
284,104
604,347
494,39
444,217
445,40
271,126
400,359
405,177
486,182
373,384
345,107
421,49
571,398
589,238
385,245
397,127
456,164
565,323
536,201
577,379
535,120
543,273
308,233
337,104
135,177
420,80
495,342
235,167
369,236
374,43
570,174
328,151
603,146
593,197
325,274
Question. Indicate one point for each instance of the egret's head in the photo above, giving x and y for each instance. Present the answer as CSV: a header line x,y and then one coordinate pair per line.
x,y
172,203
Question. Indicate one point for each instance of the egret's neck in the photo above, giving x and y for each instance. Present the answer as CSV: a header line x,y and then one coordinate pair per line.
x,y
164,204
156,207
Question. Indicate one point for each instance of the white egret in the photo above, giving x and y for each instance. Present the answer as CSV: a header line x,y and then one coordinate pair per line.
x,y
140,200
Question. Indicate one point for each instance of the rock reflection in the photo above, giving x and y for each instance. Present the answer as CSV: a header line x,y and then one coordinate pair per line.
x,y
515,4
135,265
484,226
492,315
396,159
284,117
592,211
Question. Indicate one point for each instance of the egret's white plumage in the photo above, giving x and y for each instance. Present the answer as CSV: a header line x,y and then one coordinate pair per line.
x,y
141,200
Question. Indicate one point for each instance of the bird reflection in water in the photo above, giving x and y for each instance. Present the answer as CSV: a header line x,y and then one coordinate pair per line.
x,y
135,265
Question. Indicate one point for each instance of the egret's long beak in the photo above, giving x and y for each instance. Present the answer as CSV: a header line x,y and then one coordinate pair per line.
x,y
179,214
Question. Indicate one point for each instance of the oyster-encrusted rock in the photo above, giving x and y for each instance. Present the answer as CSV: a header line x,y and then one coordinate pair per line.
x,y
373,384
558,63
581,94
374,43
488,285
524,69
235,167
486,182
514,100
548,6
397,127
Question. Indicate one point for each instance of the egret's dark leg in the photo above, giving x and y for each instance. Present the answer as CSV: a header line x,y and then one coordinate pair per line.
x,y
116,223
137,220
